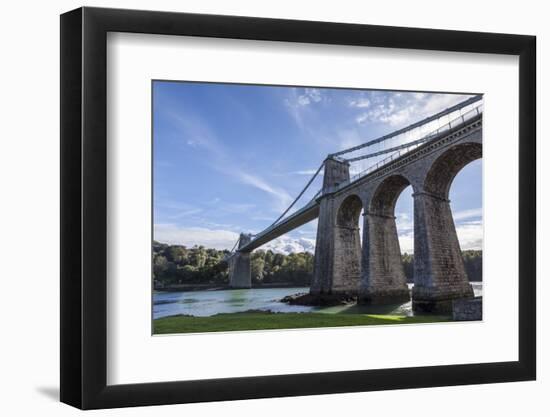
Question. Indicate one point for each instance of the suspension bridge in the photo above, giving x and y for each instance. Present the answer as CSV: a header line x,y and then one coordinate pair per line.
x,y
368,178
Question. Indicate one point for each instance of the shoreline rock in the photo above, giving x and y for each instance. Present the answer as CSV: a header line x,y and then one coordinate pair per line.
x,y
325,300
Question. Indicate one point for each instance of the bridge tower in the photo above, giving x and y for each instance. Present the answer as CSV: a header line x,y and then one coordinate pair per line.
x,y
239,265
337,264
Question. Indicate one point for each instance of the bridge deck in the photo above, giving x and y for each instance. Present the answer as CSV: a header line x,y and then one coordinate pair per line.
x,y
295,220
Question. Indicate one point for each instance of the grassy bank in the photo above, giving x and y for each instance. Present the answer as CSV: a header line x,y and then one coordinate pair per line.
x,y
265,320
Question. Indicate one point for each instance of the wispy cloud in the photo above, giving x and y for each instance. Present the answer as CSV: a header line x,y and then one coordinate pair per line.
x,y
198,135
404,223
310,95
185,213
170,209
360,103
405,231
281,195
307,172
406,243
190,236
400,109
467,214
236,207
470,236
298,102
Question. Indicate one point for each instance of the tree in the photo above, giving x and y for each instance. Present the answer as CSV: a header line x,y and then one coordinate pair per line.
x,y
160,265
408,266
198,256
473,263
177,254
257,264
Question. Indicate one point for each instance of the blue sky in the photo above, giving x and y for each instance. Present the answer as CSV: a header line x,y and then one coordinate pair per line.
x,y
230,158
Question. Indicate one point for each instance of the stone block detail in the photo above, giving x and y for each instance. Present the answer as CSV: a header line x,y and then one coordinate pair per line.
x,y
439,274
383,279
468,309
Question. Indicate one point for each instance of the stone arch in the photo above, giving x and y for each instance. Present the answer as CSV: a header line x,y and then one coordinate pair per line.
x,y
439,273
347,245
386,194
349,212
383,278
445,168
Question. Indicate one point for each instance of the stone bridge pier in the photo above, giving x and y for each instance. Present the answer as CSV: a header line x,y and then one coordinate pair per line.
x,y
383,278
439,273
239,265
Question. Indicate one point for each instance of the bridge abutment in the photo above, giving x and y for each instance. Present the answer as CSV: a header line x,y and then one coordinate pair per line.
x,y
239,266
439,273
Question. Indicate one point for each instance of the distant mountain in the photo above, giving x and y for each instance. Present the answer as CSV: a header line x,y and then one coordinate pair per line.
x,y
287,245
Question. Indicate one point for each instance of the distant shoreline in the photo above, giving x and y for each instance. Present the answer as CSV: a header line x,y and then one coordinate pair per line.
x,y
217,287
214,287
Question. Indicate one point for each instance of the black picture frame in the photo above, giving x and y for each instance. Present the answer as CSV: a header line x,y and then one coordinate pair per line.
x,y
84,207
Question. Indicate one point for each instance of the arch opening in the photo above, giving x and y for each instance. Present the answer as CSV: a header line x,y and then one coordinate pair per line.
x,y
385,197
443,171
465,194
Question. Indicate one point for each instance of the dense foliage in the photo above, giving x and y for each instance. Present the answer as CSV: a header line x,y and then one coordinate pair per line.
x,y
175,264
269,268
473,261
179,265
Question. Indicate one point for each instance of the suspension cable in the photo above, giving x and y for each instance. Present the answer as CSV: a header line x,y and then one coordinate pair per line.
x,y
411,127
299,195
384,151
235,245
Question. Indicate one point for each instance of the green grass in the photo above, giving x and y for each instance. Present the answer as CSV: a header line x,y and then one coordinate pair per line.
x,y
266,320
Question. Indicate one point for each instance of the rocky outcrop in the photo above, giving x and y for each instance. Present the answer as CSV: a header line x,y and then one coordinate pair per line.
x,y
308,299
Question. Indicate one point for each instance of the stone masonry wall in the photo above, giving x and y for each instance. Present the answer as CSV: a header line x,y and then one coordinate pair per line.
x,y
439,274
383,278
439,271
469,309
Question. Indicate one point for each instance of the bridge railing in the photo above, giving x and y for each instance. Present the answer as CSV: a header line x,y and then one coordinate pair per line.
x,y
406,148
